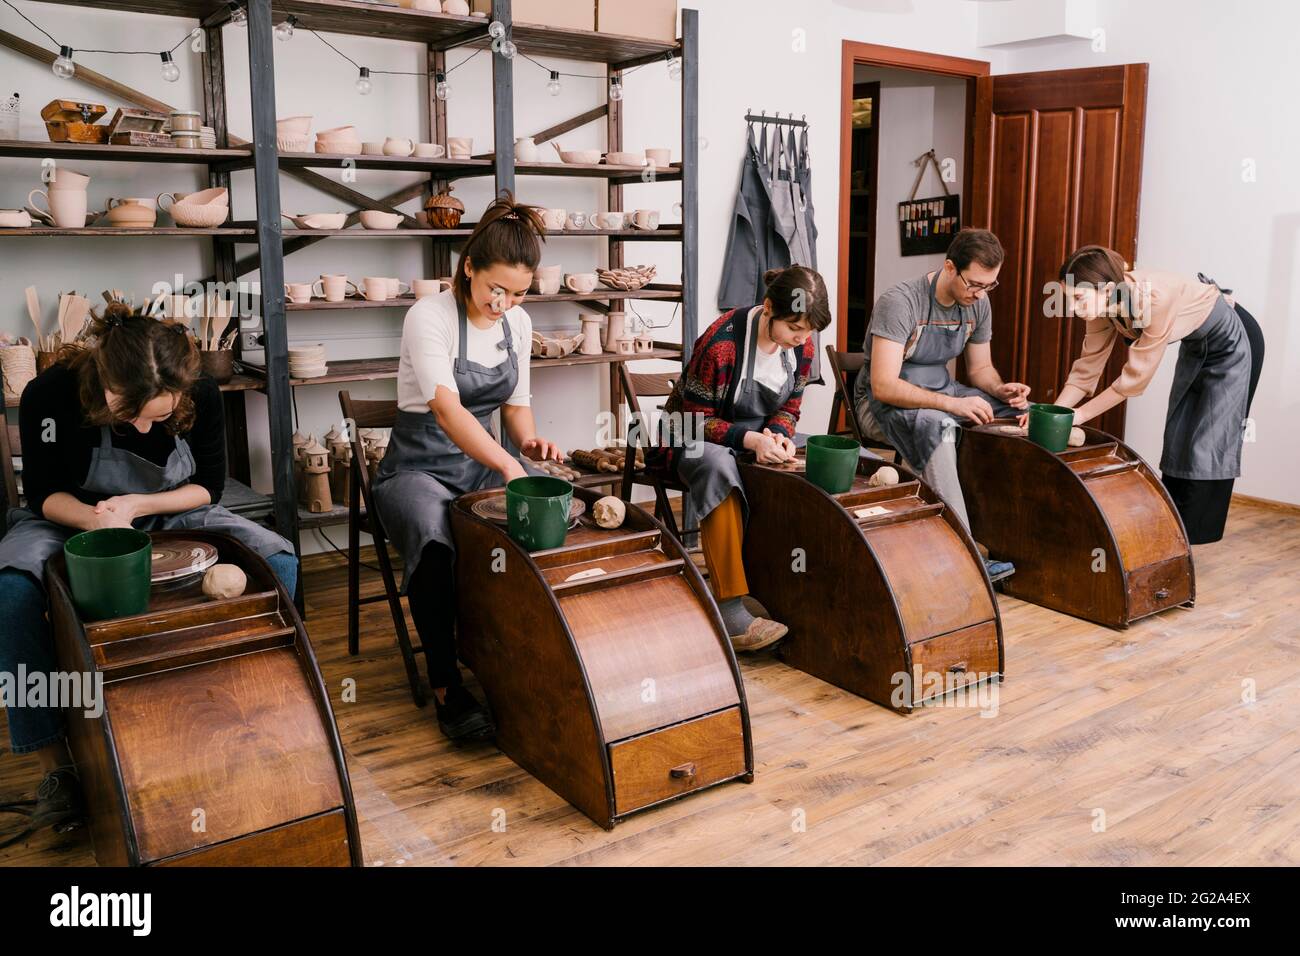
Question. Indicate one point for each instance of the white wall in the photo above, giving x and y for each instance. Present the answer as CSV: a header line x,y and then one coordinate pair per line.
x,y
917,111
1220,103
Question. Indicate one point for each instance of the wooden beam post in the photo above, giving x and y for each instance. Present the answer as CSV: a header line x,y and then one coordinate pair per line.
x,y
503,109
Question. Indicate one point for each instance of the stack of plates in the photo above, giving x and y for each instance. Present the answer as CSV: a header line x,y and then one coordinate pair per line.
x,y
307,361
207,137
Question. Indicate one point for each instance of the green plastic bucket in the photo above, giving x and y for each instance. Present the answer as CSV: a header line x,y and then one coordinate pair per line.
x,y
832,461
537,511
108,571
1049,426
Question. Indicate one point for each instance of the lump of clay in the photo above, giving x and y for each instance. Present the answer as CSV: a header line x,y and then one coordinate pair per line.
x,y
1076,437
1014,430
224,581
609,511
885,475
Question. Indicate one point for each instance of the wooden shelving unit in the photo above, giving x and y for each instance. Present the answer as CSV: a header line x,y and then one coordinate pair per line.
x,y
438,33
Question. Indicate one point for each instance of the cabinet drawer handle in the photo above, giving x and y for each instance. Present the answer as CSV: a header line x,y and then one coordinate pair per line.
x,y
1162,594
958,668
683,772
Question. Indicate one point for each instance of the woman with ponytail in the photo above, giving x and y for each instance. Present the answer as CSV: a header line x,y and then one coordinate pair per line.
x,y
124,432
464,356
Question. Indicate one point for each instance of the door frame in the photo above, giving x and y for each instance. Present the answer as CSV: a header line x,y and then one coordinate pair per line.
x,y
873,54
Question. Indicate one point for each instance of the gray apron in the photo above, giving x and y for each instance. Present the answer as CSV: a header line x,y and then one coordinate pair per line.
x,y
31,540
753,246
424,470
803,173
709,468
1208,400
917,432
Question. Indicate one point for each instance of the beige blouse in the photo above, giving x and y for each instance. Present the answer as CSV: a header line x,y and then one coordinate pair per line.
x,y
1168,307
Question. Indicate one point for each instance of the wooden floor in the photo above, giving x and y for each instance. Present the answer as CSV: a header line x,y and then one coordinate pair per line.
x,y
1106,748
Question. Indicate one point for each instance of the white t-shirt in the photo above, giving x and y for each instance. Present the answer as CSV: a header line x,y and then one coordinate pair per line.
x,y
767,370
431,338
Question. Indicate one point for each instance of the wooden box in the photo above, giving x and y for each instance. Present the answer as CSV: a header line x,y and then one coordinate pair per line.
x,y
217,744
648,19
605,661
882,588
70,121
565,14
136,121
137,138
1091,530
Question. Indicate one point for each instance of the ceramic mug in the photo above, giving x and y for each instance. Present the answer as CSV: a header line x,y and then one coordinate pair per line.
x,y
394,146
582,282
659,157
460,147
647,219
609,220
554,218
576,220
429,151
372,149
67,207
299,293
333,288
423,287
396,288
547,279
376,288
61,179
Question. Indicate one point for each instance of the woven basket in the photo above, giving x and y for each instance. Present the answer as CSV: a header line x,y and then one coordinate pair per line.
x,y
18,364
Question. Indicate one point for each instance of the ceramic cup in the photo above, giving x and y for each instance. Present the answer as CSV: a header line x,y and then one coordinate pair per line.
x,y
429,150
372,149
61,179
547,279
67,207
422,287
609,220
582,282
647,219
554,218
299,293
460,147
576,220
659,157
376,288
333,288
396,288
394,146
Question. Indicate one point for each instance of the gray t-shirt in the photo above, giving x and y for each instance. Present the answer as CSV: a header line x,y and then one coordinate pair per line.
x,y
903,307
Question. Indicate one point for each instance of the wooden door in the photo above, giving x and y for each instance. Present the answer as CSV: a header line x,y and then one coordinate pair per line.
x,y
1057,165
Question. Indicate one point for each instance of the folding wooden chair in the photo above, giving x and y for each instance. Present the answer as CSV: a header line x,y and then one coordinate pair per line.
x,y
847,366
650,385
358,415
10,447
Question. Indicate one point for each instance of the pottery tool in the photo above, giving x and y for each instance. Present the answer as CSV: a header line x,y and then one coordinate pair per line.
x,y
219,328
34,310
78,310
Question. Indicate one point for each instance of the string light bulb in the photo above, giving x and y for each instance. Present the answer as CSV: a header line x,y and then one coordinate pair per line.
x,y
170,71
284,30
496,29
238,15
364,86
441,88
553,87
508,49
674,66
616,88
63,66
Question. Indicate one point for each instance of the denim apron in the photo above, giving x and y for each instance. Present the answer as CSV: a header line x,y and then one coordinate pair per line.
x,y
917,432
32,540
709,468
753,245
424,470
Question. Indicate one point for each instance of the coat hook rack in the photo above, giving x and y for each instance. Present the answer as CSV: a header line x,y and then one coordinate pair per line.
x,y
776,120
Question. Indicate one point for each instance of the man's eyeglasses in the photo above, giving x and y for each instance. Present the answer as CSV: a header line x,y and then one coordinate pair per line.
x,y
977,286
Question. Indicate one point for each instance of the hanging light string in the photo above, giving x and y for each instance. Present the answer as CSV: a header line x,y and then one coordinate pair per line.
x,y
389,72
179,43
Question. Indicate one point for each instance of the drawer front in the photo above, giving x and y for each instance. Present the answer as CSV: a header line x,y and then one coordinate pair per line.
x,y
943,663
676,760
316,841
1159,586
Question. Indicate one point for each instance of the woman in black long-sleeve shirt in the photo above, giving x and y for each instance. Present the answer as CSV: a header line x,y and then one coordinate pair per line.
x,y
126,433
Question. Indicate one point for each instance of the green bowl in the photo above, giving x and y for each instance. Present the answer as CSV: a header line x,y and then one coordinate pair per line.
x,y
1049,426
109,571
537,511
832,461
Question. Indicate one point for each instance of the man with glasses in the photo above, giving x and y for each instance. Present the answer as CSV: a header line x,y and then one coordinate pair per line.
x,y
906,394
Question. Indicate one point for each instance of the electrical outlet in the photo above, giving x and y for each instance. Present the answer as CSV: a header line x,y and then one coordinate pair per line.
x,y
252,340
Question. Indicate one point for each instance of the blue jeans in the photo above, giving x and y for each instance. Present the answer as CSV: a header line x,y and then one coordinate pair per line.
x,y
25,638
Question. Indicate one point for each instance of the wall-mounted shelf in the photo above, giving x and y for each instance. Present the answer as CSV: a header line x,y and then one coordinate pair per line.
x,y
35,149
666,293
91,232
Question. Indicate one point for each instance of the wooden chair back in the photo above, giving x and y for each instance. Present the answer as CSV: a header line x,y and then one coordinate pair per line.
x,y
845,365
359,414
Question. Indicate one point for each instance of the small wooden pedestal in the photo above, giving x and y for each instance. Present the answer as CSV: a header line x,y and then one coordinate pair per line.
x,y
217,744
1091,530
605,661
883,590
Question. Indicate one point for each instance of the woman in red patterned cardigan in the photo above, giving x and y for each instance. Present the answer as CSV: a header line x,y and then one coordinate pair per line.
x,y
741,392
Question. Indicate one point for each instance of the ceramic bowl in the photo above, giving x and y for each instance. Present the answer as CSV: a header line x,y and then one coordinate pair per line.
x,y
338,132
216,196
294,126
586,157
372,149
198,215
375,219
319,220
625,159
293,144
343,147
15,219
